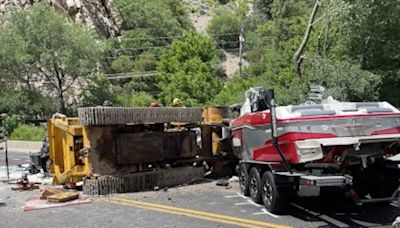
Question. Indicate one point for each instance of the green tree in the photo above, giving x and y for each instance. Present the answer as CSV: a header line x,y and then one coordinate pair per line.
x,y
47,47
27,102
263,8
233,91
343,80
370,35
158,18
186,71
225,28
140,99
99,90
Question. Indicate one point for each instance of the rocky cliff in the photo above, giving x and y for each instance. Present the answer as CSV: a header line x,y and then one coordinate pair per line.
x,y
95,14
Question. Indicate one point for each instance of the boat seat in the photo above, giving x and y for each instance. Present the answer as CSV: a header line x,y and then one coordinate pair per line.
x,y
376,109
315,112
367,104
306,107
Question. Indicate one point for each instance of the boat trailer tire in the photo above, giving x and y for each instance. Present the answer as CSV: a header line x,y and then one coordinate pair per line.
x,y
244,180
274,200
255,185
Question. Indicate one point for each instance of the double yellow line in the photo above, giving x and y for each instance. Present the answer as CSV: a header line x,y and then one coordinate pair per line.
x,y
220,218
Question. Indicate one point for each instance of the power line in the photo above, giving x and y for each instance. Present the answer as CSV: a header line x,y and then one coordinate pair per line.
x,y
162,46
173,37
132,75
158,54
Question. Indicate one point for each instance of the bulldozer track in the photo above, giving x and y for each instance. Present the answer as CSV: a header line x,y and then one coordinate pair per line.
x,y
141,181
91,116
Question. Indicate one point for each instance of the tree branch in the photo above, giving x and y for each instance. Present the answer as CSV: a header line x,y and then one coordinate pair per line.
x,y
297,55
327,27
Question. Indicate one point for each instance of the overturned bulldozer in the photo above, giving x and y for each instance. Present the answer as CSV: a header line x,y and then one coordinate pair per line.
x,y
126,149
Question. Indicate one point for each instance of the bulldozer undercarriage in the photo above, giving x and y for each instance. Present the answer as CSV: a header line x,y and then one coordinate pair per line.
x,y
92,116
126,149
141,181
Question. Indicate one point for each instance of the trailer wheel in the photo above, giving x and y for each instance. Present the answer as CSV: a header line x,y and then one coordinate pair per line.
x,y
255,185
274,200
243,180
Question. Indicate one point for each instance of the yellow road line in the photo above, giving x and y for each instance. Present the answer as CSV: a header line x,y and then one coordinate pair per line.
x,y
195,213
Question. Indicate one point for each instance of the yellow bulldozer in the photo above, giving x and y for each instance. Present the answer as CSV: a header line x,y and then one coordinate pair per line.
x,y
126,149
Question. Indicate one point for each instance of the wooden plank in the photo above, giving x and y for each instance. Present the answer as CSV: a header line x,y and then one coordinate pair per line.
x,y
63,197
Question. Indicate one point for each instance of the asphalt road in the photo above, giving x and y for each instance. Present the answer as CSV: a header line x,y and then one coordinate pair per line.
x,y
201,205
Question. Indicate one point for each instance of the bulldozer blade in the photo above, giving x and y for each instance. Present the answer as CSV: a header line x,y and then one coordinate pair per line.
x,y
92,116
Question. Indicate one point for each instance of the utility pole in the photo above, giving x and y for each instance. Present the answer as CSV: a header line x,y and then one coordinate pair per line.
x,y
241,42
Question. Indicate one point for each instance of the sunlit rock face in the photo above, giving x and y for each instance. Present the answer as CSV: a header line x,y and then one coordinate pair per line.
x,y
97,15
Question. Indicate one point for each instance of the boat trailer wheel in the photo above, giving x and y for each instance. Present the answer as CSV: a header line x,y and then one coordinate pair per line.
x,y
243,180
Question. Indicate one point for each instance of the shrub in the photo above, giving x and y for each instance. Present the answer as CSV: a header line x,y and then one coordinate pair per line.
x,y
28,132
10,123
225,28
140,99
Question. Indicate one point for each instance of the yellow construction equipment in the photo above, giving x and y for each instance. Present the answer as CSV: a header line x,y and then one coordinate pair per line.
x,y
69,160
123,149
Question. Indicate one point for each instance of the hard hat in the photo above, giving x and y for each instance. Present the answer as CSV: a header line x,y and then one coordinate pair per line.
x,y
176,101
107,103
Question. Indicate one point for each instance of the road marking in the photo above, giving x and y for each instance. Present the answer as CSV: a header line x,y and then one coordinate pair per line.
x,y
240,195
253,203
243,222
234,196
243,203
260,213
269,213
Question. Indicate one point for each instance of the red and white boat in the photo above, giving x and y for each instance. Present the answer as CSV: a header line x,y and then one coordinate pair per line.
x,y
285,149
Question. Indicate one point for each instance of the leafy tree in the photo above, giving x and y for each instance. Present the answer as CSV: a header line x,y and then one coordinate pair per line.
x,y
123,63
29,103
233,91
9,123
140,99
263,8
273,44
371,33
369,36
186,72
225,28
99,90
49,48
159,18
343,80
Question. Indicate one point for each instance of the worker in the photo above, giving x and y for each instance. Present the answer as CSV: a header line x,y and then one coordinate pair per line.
x,y
154,104
177,103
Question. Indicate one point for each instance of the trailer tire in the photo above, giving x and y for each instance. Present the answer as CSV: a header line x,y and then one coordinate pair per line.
x,y
243,180
255,185
274,200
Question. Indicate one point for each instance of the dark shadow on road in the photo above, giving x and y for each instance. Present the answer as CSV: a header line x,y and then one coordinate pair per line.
x,y
339,211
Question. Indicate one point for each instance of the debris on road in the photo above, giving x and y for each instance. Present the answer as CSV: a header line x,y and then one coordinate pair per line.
x,y
36,203
233,179
24,184
2,202
63,197
222,182
49,192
